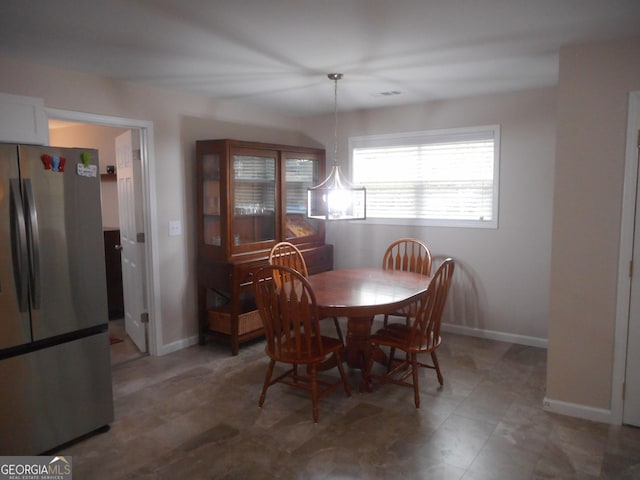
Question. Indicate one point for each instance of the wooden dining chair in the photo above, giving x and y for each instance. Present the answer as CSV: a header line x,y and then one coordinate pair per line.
x,y
421,336
409,255
288,255
287,307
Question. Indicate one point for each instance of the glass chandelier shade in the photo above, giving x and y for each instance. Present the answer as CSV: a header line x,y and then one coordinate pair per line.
x,y
336,198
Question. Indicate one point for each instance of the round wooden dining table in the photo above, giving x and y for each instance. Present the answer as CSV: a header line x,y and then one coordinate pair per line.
x,y
360,294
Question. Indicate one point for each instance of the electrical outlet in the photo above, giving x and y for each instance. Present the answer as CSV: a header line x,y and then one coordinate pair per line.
x,y
175,228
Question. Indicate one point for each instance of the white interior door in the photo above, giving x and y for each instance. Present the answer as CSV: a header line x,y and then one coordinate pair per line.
x,y
132,237
631,409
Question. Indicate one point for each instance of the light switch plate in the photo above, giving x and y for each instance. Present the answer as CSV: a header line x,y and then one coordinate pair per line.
x,y
175,228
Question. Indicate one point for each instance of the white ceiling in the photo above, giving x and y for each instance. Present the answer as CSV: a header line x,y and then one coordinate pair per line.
x,y
276,53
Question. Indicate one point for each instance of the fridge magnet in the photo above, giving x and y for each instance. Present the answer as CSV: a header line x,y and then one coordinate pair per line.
x,y
84,169
57,163
46,160
53,162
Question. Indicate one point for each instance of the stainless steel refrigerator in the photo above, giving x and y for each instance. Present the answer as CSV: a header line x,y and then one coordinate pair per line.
x,y
55,373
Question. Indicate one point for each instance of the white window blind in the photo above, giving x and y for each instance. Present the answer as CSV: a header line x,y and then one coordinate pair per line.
x,y
254,182
446,177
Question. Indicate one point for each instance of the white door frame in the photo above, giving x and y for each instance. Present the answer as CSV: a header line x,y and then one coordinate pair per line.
x,y
625,256
149,206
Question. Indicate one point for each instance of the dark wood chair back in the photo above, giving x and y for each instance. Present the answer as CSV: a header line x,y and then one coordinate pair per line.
x,y
425,329
287,307
288,255
409,255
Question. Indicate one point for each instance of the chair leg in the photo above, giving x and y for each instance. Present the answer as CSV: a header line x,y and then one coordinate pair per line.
x,y
295,373
267,381
338,329
392,353
434,358
347,389
416,387
314,393
385,321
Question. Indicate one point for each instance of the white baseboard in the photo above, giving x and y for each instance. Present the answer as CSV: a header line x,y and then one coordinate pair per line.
x,y
576,410
554,406
177,345
494,335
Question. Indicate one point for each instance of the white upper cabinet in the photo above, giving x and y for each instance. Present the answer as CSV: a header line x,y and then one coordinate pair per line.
x,y
23,120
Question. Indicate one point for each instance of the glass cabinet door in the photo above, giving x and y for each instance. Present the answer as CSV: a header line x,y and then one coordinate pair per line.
x,y
211,199
300,174
254,197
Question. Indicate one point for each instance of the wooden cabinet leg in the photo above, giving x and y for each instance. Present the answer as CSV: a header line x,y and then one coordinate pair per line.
x,y
202,315
235,332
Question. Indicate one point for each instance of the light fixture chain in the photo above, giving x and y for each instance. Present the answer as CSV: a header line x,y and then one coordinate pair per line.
x,y
335,112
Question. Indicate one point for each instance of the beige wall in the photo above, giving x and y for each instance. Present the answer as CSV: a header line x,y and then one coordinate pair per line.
x,y
501,283
593,96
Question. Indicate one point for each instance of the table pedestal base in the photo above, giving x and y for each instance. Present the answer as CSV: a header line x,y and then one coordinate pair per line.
x,y
358,346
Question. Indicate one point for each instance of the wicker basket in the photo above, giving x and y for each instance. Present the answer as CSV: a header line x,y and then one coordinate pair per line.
x,y
220,321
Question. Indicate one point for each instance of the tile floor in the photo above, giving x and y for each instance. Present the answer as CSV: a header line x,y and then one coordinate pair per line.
x,y
194,415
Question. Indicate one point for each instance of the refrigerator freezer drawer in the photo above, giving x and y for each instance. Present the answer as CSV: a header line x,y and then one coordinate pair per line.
x,y
55,395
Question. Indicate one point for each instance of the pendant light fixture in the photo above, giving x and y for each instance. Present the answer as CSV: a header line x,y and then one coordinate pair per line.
x,y
336,198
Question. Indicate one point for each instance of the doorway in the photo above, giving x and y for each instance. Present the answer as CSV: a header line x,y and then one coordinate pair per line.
x,y
93,131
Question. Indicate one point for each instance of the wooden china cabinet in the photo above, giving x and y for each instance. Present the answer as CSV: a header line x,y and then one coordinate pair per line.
x,y
250,196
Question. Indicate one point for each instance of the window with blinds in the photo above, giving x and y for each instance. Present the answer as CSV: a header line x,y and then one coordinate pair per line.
x,y
444,177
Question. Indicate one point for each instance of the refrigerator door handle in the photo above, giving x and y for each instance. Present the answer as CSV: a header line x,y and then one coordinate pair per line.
x,y
19,244
34,241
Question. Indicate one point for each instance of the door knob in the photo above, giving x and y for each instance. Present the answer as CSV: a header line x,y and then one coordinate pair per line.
x,y
118,247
